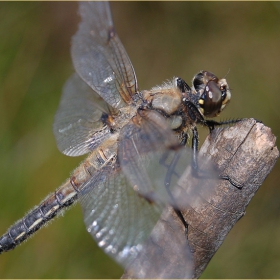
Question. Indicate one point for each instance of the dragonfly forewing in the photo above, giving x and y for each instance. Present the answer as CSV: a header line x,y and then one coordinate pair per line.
x,y
153,160
100,58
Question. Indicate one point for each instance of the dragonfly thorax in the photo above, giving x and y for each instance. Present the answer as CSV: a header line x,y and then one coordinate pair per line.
x,y
167,97
185,106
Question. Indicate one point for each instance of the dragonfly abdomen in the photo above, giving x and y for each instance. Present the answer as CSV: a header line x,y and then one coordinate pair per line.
x,y
57,201
50,207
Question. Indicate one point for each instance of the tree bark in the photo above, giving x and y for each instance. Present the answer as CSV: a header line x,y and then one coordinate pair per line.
x,y
245,153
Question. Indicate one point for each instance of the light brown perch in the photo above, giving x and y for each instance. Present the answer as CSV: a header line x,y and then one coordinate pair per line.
x,y
246,153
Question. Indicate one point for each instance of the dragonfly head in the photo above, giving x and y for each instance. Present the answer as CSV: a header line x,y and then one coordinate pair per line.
x,y
214,93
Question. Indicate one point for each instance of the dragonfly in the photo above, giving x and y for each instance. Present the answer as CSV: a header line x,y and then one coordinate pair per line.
x,y
136,141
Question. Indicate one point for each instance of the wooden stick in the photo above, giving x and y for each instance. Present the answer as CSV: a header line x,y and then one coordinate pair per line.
x,y
245,153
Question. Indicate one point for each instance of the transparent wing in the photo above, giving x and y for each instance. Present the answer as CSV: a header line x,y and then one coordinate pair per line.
x,y
122,223
153,161
165,254
77,125
116,216
123,202
99,56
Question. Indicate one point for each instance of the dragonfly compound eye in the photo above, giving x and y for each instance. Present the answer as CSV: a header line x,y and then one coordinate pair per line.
x,y
214,93
211,99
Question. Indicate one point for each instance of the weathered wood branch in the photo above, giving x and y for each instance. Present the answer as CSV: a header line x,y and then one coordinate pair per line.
x,y
246,153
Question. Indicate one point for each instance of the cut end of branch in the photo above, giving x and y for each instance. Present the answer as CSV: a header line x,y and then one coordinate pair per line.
x,y
245,153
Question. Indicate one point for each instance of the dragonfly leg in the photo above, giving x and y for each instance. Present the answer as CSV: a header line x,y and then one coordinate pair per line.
x,y
194,149
195,168
227,178
211,124
167,182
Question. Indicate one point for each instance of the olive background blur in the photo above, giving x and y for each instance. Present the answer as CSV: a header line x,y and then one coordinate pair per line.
x,y
163,39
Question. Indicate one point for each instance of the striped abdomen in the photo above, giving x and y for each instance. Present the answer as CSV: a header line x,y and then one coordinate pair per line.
x,y
61,199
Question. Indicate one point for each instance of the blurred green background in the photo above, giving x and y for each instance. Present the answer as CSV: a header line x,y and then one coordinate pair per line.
x,y
163,39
